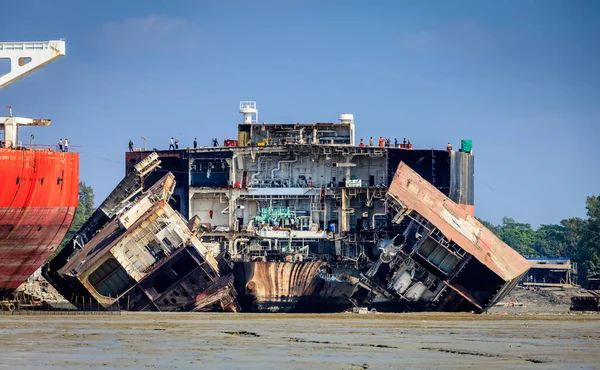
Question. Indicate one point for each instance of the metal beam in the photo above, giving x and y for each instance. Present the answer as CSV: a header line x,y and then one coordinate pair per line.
x,y
27,57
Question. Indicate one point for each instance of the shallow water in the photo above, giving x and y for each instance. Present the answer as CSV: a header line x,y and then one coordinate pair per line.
x,y
285,341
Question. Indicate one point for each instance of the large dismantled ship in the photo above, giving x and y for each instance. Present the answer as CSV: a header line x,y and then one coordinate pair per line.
x,y
290,218
38,186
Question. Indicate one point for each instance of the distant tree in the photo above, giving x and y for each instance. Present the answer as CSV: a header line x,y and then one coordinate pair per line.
x,y
588,248
576,238
518,235
575,225
551,241
85,208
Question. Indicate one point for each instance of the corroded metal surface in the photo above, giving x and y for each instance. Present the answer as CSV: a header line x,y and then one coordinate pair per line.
x,y
411,248
221,296
462,182
414,193
271,285
38,200
145,258
291,287
118,200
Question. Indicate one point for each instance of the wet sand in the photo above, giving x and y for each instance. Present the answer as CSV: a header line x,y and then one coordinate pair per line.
x,y
259,341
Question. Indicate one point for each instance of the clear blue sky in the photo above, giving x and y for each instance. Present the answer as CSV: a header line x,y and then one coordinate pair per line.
x,y
519,78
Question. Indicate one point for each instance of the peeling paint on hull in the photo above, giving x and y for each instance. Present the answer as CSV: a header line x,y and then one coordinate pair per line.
x,y
290,287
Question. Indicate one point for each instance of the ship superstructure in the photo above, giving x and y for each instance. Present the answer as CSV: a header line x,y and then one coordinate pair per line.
x,y
301,190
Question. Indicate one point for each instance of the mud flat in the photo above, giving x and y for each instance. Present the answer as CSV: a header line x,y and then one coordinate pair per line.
x,y
285,341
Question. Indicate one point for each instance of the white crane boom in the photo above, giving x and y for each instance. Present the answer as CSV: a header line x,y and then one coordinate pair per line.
x,y
27,57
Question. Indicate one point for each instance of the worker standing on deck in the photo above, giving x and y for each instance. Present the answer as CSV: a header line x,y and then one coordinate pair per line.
x,y
361,144
60,145
66,145
449,148
395,142
381,142
195,143
404,143
130,145
171,144
215,142
408,144
371,141
176,143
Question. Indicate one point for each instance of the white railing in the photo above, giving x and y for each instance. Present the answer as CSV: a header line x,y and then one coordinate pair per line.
x,y
31,45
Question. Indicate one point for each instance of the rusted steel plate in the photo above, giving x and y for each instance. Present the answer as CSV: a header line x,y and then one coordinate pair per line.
x,y
38,200
413,192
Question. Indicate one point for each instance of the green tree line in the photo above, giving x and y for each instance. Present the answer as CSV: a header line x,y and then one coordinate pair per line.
x,y
576,238
85,208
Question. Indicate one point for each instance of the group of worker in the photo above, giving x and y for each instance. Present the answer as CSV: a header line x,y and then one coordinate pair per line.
x,y
63,146
173,143
387,143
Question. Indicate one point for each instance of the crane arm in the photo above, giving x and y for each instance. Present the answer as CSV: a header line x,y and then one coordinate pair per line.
x,y
27,57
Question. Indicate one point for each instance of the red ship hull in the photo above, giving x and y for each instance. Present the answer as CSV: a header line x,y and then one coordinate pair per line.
x,y
38,199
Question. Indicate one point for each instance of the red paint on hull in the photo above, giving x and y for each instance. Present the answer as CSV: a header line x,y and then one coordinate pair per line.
x,y
38,200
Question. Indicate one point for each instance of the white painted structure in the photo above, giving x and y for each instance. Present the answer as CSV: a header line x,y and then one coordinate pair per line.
x,y
25,58
11,124
348,119
249,111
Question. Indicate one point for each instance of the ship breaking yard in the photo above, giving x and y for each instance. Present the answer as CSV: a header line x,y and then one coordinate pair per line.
x,y
292,246
290,218
284,223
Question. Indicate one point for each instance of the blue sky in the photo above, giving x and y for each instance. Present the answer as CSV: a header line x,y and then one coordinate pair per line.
x,y
519,78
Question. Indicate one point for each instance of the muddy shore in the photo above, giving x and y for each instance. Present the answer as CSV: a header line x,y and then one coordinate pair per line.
x,y
340,341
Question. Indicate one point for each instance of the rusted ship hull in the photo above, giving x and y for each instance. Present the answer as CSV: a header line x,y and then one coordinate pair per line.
x,y
424,253
291,287
38,200
220,296
143,259
444,259
137,253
